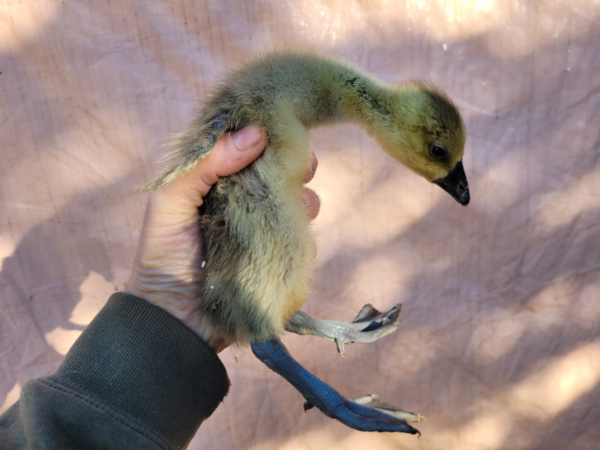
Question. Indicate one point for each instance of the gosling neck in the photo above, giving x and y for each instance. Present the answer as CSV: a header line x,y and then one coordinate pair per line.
x,y
363,101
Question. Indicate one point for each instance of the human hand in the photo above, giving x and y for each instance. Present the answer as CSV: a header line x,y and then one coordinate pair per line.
x,y
166,270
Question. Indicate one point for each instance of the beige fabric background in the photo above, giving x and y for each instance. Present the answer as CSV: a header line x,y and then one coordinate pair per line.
x,y
498,345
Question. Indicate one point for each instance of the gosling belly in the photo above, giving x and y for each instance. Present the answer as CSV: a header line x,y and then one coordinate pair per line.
x,y
259,253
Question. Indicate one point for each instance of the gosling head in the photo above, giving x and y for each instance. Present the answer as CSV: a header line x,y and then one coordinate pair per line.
x,y
423,129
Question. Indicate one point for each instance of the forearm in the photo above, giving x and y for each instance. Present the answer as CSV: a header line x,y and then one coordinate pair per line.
x,y
136,378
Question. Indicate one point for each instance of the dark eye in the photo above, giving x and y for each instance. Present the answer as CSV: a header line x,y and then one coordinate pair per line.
x,y
438,152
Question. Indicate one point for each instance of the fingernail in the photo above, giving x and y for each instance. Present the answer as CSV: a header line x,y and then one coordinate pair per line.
x,y
246,138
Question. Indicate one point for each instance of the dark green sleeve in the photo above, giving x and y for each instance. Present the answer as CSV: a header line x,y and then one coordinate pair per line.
x,y
136,378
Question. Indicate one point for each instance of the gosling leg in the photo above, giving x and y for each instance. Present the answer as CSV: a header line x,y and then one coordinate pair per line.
x,y
368,326
363,414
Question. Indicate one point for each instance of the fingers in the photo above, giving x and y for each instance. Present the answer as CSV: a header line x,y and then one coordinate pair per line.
x,y
312,204
312,168
178,201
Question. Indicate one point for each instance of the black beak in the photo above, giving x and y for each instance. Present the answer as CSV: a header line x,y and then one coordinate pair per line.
x,y
455,184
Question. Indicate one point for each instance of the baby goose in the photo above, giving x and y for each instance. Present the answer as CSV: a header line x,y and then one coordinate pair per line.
x,y
259,248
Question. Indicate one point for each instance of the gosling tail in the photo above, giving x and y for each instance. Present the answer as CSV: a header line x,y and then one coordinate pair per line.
x,y
193,144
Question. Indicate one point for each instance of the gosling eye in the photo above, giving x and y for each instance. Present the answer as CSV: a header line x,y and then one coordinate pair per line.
x,y
438,152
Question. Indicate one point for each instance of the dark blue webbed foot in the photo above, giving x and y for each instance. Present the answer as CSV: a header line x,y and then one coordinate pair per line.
x,y
368,326
363,414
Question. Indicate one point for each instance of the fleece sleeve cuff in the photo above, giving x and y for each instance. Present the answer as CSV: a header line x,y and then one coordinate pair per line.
x,y
145,367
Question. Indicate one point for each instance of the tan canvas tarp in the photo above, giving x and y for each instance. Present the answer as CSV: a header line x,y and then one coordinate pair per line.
x,y
498,344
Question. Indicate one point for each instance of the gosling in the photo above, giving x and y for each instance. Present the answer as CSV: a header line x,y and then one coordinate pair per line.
x,y
259,247
259,254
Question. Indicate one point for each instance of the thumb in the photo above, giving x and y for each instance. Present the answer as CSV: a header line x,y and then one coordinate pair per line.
x,y
232,152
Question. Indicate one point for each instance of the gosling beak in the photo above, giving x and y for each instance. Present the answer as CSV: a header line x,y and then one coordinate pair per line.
x,y
455,184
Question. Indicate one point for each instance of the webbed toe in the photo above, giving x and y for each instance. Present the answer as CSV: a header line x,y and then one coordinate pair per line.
x,y
368,326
